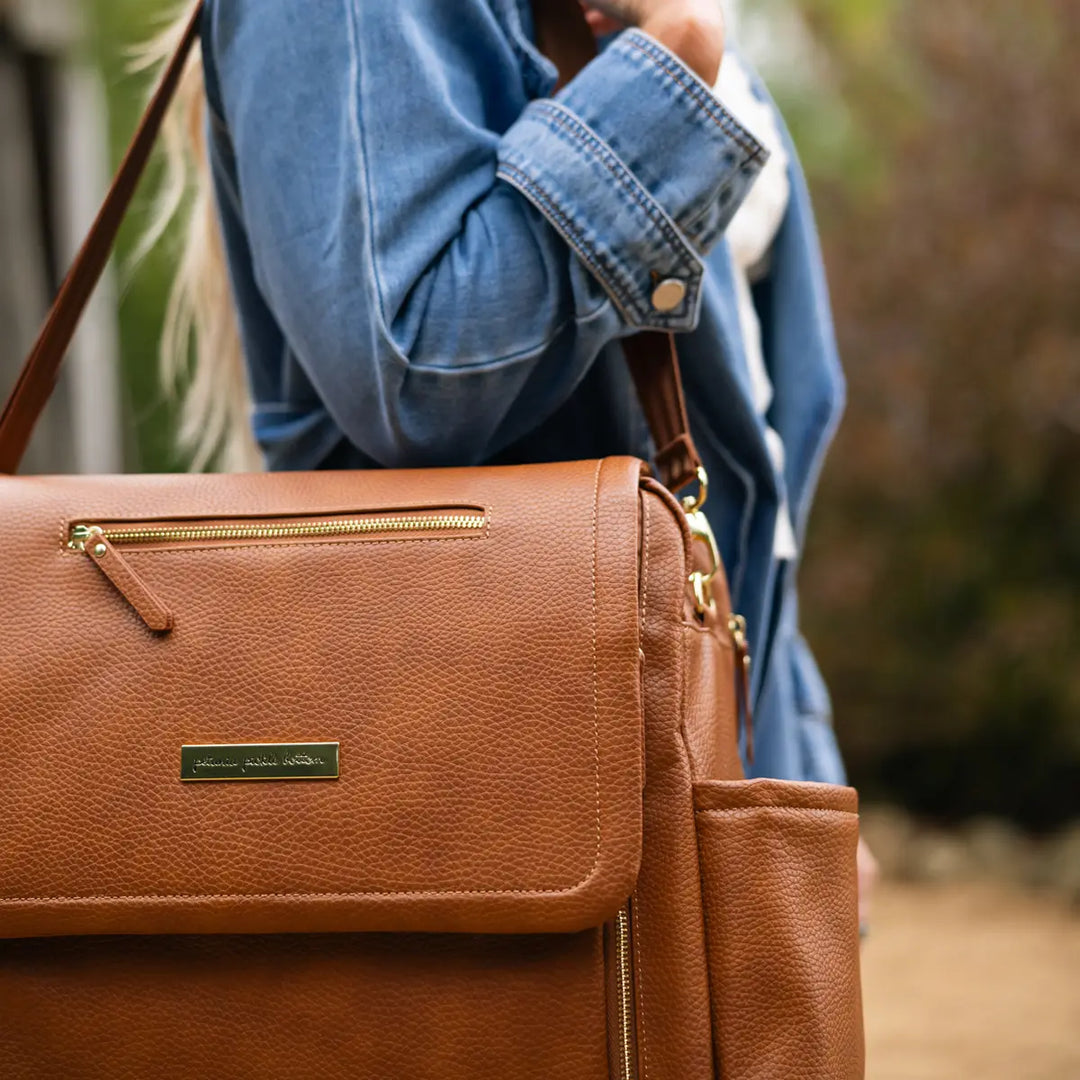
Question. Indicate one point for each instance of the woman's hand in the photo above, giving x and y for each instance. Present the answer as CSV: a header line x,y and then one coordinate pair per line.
x,y
692,29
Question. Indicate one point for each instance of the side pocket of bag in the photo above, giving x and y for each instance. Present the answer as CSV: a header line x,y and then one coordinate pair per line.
x,y
780,895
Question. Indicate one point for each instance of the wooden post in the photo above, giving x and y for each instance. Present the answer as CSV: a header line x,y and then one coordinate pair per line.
x,y
53,172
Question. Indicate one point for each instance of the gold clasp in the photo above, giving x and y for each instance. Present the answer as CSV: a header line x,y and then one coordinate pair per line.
x,y
693,503
702,582
702,530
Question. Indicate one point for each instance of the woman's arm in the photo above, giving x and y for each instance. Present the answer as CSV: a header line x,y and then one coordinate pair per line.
x,y
446,259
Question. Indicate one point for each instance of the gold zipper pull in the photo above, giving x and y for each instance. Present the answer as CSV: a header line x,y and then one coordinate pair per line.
x,y
737,629
93,541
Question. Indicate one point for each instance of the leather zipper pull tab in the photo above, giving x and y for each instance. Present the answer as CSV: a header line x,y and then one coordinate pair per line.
x,y
122,574
737,627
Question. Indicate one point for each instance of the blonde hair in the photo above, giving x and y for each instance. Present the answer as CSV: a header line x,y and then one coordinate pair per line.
x,y
201,358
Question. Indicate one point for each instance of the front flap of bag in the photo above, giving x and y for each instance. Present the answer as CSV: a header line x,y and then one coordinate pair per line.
x,y
386,702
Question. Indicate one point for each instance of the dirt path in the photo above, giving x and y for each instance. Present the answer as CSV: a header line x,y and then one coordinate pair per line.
x,y
972,981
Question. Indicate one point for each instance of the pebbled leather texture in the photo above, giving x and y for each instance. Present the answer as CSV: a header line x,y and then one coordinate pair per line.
x,y
304,1007
781,911
492,693
671,978
485,690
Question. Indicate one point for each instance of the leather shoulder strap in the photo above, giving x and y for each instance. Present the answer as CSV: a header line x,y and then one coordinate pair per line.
x,y
563,35
42,366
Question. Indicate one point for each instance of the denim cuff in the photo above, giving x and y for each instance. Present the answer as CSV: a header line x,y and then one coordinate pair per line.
x,y
640,168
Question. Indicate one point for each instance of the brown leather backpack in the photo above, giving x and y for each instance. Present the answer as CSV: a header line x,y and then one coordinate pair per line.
x,y
501,829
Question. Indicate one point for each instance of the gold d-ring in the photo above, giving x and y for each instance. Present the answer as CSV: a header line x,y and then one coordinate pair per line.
x,y
693,503
702,583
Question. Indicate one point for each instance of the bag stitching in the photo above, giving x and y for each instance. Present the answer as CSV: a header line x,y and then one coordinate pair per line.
x,y
560,116
645,575
634,926
616,282
700,93
708,936
640,961
777,806
558,891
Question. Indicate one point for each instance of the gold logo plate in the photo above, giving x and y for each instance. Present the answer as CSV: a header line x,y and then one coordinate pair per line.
x,y
260,761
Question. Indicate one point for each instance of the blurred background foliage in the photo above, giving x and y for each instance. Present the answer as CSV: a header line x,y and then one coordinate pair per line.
x,y
942,582
118,30
942,588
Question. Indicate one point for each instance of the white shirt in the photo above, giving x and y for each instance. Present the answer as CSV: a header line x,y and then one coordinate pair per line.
x,y
750,238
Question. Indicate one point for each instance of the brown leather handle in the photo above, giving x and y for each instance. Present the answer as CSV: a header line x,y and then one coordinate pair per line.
x,y
565,37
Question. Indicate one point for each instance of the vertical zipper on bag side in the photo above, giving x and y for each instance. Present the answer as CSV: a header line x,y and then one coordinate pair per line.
x,y
624,995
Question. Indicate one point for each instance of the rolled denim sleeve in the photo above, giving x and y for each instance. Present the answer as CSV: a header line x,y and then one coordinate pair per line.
x,y
445,251
640,168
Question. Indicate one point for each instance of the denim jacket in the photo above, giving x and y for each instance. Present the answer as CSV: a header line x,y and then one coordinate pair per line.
x,y
434,262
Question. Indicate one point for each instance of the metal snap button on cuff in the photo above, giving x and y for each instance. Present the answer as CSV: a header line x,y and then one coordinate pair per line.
x,y
669,294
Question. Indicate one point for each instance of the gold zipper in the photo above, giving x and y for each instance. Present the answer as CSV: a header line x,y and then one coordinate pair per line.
x,y
103,543
81,534
625,991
